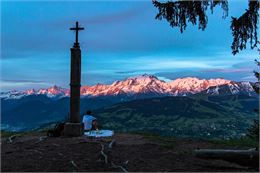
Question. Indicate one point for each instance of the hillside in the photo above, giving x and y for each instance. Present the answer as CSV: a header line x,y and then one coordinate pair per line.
x,y
207,116
197,116
35,110
34,152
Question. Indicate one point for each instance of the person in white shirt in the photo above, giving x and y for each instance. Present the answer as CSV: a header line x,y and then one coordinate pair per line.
x,y
90,122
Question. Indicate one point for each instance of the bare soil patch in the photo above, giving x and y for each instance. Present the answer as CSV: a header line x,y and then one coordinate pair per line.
x,y
36,152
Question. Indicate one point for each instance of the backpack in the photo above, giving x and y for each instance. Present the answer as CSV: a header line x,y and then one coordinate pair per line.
x,y
57,130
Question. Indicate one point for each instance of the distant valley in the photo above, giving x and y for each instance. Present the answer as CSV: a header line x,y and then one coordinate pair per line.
x,y
215,108
201,117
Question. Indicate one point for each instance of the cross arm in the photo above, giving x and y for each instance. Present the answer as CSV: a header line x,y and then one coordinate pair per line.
x,y
79,28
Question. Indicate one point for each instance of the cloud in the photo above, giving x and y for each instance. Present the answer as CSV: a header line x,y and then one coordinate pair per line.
x,y
171,75
126,72
21,81
163,63
18,84
229,70
92,78
38,41
121,16
243,76
105,17
249,78
164,78
178,64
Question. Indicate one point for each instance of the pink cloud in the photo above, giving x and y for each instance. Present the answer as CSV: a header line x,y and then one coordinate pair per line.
x,y
116,17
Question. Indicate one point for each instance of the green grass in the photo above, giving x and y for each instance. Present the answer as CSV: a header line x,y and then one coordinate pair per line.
x,y
168,142
243,142
163,141
5,134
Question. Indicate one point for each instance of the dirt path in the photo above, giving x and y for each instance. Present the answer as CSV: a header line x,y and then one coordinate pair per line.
x,y
132,152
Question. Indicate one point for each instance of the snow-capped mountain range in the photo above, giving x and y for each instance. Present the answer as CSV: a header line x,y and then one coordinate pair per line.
x,y
146,84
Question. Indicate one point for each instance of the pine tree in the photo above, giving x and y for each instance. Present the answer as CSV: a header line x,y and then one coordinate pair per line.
x,y
253,131
179,13
244,28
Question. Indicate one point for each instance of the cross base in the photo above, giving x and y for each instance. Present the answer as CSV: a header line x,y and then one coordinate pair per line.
x,y
76,45
73,129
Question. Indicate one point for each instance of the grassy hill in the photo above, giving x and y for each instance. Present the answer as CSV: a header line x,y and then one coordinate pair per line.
x,y
198,116
33,111
195,116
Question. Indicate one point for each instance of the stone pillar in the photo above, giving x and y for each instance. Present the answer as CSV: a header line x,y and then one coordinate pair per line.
x,y
75,76
74,127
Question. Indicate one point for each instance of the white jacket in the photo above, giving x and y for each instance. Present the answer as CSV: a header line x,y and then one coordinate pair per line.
x,y
87,120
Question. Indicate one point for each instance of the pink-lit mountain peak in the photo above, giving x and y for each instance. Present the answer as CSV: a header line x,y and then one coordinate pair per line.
x,y
137,84
141,84
151,84
180,81
51,91
193,81
194,85
144,84
143,77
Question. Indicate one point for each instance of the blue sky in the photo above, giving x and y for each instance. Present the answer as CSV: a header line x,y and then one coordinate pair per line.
x,y
121,39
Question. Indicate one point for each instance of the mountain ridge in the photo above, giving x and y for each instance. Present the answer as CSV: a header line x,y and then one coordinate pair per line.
x,y
145,84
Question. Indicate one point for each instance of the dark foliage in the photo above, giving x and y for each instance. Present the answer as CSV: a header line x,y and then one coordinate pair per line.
x,y
57,130
253,131
257,75
244,28
196,117
179,13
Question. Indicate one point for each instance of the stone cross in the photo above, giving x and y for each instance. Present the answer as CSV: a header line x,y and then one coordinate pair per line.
x,y
75,127
77,29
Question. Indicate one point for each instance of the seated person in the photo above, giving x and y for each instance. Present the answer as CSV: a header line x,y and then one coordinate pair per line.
x,y
94,125
90,122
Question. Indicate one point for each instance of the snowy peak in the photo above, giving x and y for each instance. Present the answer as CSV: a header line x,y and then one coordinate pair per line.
x,y
195,85
53,91
143,78
139,84
231,89
12,94
93,90
148,85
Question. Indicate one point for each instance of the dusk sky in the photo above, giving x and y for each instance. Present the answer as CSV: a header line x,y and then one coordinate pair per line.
x,y
121,39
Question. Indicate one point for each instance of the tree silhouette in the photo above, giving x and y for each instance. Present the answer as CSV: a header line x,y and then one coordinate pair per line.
x,y
253,131
245,28
179,13
257,75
